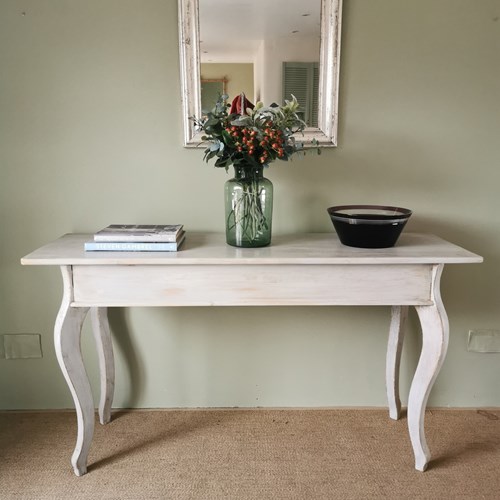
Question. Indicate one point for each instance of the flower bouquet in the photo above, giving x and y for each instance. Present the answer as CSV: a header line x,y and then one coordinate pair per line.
x,y
249,138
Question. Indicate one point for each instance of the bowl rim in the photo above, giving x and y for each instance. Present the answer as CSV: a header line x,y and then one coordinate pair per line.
x,y
398,212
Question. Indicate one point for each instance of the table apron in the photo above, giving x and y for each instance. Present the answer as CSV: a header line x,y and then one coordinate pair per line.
x,y
255,285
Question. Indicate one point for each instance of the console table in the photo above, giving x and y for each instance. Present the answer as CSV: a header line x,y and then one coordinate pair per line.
x,y
304,269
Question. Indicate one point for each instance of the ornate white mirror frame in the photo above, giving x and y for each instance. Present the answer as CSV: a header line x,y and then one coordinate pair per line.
x,y
189,45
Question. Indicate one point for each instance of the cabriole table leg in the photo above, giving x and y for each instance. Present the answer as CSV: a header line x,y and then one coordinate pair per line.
x,y
104,346
393,360
67,334
435,333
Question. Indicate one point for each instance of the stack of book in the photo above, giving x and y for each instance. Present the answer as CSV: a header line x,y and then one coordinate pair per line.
x,y
138,238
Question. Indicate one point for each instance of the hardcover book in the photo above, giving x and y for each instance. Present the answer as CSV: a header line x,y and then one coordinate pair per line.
x,y
134,246
141,233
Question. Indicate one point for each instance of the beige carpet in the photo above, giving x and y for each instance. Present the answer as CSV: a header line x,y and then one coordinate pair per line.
x,y
251,454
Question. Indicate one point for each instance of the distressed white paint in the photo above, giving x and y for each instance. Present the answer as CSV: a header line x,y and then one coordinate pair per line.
x,y
211,248
435,333
104,346
243,285
325,134
329,71
399,315
312,269
189,43
67,333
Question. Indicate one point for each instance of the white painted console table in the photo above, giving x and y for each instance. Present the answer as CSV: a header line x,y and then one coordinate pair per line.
x,y
308,269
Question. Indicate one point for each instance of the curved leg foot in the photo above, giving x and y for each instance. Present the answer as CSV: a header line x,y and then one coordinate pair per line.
x,y
435,332
393,359
104,346
67,333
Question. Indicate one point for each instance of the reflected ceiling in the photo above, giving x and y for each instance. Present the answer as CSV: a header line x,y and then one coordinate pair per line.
x,y
231,31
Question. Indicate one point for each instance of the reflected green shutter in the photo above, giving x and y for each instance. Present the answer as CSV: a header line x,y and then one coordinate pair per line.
x,y
302,80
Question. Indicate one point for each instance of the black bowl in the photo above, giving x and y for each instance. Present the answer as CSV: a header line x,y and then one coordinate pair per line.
x,y
368,226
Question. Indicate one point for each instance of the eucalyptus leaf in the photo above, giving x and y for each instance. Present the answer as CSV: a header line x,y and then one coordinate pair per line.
x,y
242,121
211,122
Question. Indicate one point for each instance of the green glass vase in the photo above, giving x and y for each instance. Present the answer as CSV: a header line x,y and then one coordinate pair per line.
x,y
249,207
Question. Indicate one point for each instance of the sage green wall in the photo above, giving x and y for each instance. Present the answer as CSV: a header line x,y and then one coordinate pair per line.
x,y
90,131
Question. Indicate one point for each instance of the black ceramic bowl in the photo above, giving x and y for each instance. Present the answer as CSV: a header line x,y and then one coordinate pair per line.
x,y
368,226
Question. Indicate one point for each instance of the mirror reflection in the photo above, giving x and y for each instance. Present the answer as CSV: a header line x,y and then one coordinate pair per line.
x,y
267,50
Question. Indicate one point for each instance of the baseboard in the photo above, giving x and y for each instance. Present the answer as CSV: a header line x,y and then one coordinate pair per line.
x,y
262,408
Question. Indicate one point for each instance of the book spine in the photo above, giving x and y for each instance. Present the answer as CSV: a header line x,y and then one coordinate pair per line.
x,y
131,238
92,246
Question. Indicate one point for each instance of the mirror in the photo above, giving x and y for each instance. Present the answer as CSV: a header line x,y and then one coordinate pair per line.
x,y
293,49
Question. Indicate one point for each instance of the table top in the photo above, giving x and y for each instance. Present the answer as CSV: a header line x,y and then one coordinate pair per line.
x,y
210,248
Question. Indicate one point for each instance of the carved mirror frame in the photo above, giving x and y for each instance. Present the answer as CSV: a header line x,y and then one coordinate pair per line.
x,y
189,46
